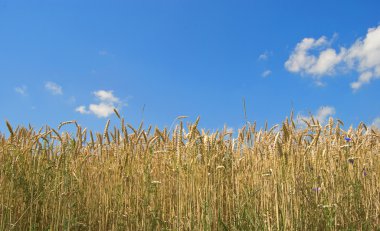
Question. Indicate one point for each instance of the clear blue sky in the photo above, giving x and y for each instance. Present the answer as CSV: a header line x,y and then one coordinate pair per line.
x,y
74,60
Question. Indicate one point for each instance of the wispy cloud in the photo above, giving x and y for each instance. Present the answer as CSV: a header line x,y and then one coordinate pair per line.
x,y
103,52
264,56
107,101
266,73
315,58
53,88
322,114
319,83
22,90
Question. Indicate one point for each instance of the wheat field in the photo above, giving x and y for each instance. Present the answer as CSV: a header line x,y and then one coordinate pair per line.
x,y
288,177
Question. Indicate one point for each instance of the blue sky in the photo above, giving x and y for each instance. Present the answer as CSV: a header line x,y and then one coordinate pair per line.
x,y
76,60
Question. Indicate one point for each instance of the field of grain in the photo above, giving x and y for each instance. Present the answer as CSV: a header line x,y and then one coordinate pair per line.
x,y
288,177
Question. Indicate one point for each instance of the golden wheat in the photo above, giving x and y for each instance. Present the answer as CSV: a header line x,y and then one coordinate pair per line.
x,y
286,178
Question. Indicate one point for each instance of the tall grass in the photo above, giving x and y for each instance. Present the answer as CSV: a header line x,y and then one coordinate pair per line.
x,y
311,178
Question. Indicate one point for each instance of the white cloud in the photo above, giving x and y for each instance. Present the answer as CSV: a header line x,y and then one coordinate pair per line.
x,y
317,59
364,78
364,56
326,62
53,88
303,61
376,122
322,115
82,110
264,56
22,90
106,96
107,102
102,109
266,73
